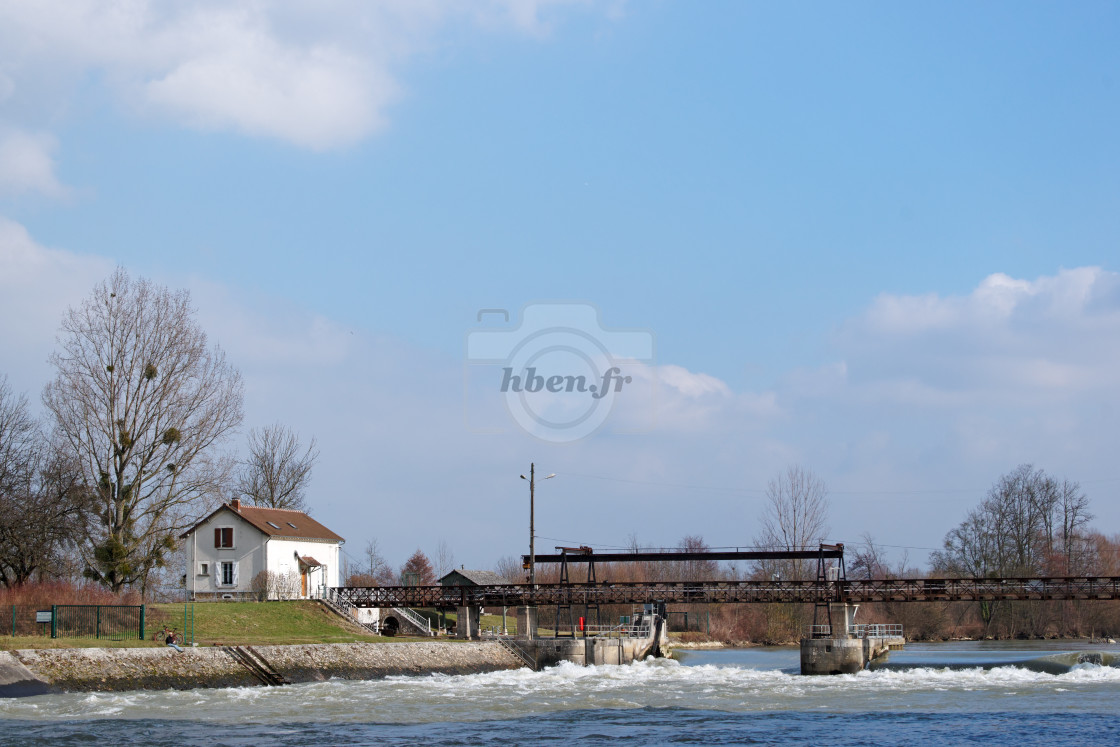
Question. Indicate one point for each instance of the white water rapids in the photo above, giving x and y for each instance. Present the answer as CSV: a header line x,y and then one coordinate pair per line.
x,y
728,682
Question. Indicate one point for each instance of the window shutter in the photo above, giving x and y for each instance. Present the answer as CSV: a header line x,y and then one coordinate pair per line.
x,y
217,537
235,574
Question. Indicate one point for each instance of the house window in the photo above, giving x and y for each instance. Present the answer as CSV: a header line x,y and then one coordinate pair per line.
x,y
274,526
204,569
293,526
227,574
223,536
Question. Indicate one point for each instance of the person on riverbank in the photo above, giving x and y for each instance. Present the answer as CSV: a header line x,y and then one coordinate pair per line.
x,y
171,641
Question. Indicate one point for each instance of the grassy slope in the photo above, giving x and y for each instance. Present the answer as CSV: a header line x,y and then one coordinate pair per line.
x,y
226,623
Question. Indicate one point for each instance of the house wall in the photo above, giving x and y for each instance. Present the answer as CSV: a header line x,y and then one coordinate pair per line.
x,y
247,555
283,560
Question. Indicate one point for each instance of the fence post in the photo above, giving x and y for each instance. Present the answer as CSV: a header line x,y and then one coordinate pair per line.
x,y
141,622
98,633
54,621
13,621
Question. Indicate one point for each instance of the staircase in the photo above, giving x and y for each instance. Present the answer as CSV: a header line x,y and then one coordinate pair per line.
x,y
342,608
519,652
422,624
257,665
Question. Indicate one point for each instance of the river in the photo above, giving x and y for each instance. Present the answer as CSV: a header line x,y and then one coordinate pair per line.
x,y
998,693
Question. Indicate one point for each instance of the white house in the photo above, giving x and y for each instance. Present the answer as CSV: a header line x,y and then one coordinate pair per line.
x,y
230,550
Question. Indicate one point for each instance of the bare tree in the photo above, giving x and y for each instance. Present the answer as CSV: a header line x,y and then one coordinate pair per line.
x,y
141,401
445,559
380,572
795,518
869,561
19,433
509,568
278,468
1073,519
43,504
1029,523
695,570
42,518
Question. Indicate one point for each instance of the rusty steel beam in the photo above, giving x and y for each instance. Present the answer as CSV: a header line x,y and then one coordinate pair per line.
x,y
734,592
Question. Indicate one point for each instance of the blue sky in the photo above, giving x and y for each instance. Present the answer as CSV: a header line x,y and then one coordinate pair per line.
x,y
806,205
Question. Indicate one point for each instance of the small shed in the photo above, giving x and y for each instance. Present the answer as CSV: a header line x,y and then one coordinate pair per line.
x,y
467,577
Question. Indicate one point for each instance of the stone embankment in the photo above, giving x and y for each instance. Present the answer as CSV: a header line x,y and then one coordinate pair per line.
x,y
91,669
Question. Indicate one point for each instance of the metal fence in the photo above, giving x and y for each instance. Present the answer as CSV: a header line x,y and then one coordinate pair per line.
x,y
108,621
872,630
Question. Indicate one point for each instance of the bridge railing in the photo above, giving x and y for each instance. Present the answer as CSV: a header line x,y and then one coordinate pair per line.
x,y
637,629
735,592
870,630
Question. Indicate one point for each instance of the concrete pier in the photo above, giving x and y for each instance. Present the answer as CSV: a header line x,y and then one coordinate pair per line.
x,y
526,622
847,648
466,623
586,651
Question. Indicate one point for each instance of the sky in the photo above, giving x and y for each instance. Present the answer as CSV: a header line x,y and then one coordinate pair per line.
x,y
876,240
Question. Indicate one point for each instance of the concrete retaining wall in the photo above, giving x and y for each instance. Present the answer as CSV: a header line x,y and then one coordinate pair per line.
x,y
70,670
842,655
595,651
16,680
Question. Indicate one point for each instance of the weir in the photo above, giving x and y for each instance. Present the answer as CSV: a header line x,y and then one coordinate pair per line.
x,y
845,647
597,645
834,645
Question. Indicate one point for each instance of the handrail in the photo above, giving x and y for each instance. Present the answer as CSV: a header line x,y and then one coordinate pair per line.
x,y
418,621
517,651
737,592
343,607
868,630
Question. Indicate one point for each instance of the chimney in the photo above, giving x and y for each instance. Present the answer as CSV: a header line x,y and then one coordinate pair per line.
x,y
235,504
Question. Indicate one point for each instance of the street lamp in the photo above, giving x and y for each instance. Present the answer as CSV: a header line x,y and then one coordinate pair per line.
x,y
532,553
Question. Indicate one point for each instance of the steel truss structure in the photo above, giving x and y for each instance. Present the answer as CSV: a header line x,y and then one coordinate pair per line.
x,y
734,592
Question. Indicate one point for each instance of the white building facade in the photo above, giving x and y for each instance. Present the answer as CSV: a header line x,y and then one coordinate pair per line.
x,y
251,552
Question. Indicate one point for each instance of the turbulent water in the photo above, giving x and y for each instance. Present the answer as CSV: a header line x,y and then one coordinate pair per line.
x,y
948,693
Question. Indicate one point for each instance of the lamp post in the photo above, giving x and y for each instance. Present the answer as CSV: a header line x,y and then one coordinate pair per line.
x,y
532,533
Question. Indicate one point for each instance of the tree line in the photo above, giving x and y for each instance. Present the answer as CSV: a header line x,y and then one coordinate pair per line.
x,y
1029,523
129,452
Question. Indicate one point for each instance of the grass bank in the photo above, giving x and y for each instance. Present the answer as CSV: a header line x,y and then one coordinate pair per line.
x,y
224,623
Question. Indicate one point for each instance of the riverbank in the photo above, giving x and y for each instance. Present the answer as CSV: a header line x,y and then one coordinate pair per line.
x,y
104,669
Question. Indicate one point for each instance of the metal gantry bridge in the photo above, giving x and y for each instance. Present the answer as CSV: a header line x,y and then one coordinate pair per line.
x,y
822,590
736,592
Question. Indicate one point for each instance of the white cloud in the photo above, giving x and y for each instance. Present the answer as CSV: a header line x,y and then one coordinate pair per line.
x,y
1009,340
37,284
911,406
316,74
27,163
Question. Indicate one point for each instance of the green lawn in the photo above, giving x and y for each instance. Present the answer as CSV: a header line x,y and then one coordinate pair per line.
x,y
486,622
225,623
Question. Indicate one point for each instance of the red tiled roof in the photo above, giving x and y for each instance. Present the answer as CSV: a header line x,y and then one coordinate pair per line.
x,y
275,522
